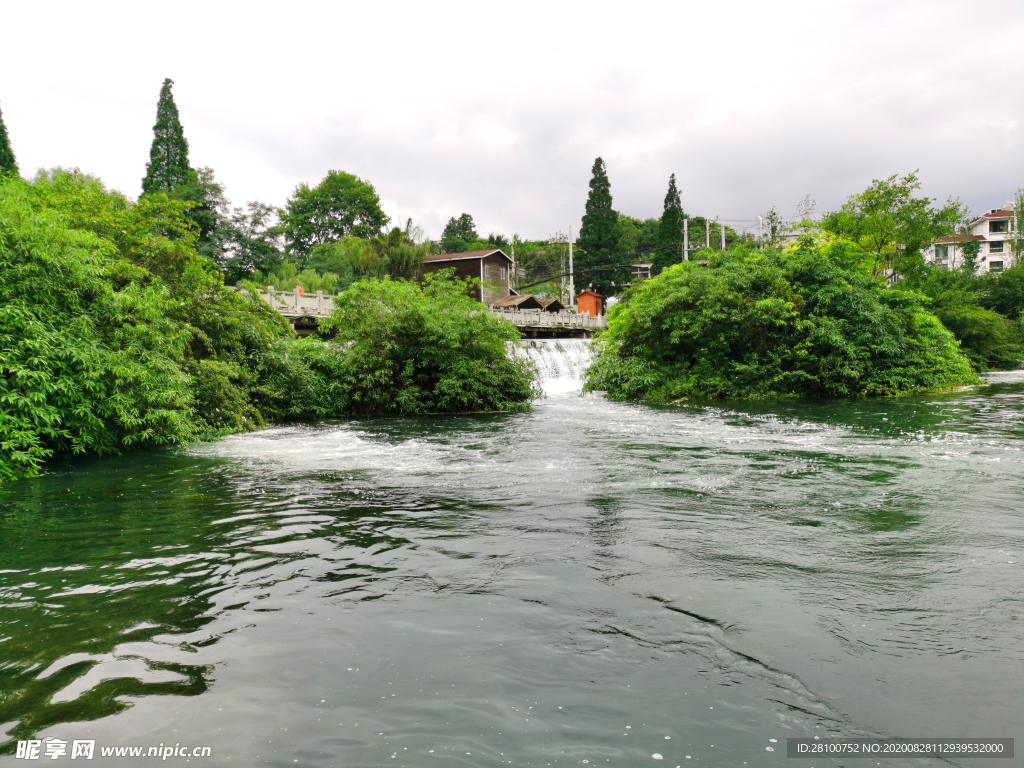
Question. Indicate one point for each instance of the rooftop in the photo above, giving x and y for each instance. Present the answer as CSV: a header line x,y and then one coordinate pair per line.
x,y
466,255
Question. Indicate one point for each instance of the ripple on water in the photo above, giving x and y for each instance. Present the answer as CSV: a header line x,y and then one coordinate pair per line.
x,y
520,586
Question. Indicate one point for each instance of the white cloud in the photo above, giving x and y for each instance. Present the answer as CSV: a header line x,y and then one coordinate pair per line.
x,y
500,110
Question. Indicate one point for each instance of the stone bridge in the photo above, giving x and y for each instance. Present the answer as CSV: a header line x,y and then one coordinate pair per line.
x,y
303,311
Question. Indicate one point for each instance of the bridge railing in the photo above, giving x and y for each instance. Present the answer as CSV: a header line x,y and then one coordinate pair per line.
x,y
296,303
541,319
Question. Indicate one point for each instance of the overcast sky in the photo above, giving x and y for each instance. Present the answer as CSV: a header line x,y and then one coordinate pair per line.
x,y
499,109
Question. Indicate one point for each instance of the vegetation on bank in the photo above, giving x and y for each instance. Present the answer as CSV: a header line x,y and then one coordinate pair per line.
x,y
115,333
805,322
132,323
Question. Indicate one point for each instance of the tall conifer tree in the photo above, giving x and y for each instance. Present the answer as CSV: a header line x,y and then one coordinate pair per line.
x,y
168,166
670,235
599,234
8,164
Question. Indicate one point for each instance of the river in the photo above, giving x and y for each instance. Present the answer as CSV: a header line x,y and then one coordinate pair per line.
x,y
590,583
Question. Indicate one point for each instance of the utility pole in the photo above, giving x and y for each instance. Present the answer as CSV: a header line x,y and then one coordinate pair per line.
x,y
572,283
721,228
514,280
707,233
686,240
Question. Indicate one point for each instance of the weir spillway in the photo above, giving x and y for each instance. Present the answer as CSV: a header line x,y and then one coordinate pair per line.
x,y
561,363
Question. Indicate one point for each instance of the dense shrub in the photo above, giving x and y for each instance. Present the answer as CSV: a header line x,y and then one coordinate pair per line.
x,y
88,351
804,322
429,349
114,333
959,298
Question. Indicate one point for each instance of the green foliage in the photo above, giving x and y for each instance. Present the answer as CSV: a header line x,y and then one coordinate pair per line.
x,y
88,351
154,233
114,332
1005,293
287,276
254,242
168,165
890,227
459,235
670,228
169,173
599,237
414,349
8,163
990,340
342,205
804,322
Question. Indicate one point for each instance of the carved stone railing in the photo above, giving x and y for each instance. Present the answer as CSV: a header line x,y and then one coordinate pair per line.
x,y
295,303
541,320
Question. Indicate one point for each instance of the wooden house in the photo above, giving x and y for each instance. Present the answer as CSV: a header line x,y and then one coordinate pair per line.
x,y
551,305
590,303
493,268
526,301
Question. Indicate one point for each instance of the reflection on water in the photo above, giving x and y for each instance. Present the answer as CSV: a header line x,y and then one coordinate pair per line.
x,y
573,584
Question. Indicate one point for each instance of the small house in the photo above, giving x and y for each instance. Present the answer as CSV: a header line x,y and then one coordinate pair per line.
x,y
551,305
995,235
526,301
590,303
493,268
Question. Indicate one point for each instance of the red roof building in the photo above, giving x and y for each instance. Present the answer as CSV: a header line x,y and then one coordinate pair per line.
x,y
995,232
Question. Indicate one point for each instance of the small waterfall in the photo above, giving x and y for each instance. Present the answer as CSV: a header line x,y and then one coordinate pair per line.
x,y
560,363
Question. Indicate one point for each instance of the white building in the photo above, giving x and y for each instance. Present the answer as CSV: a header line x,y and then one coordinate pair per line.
x,y
993,232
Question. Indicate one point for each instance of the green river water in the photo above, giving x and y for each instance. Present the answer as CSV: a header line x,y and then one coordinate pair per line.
x,y
591,583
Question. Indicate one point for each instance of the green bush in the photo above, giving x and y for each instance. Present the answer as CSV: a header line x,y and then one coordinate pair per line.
x,y
88,351
114,333
805,322
988,339
430,349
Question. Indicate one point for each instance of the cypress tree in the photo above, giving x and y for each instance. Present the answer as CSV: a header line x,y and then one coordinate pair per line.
x,y
599,234
670,236
168,166
8,165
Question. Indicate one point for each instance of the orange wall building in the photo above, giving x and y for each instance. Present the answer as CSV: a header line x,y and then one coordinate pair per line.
x,y
590,303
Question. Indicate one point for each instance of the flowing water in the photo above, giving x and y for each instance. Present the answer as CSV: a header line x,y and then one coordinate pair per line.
x,y
591,583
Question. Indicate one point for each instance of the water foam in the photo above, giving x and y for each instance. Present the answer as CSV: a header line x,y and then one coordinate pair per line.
x,y
561,363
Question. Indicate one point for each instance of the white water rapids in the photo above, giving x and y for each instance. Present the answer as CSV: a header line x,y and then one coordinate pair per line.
x,y
560,363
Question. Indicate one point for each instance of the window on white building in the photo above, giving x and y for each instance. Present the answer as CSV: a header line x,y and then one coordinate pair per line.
x,y
942,253
995,266
997,226
995,247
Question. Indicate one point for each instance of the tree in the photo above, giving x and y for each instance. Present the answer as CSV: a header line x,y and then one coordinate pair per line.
x,y
169,172
459,234
209,212
168,165
670,231
342,205
599,236
8,163
412,349
254,241
1016,235
805,322
891,227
